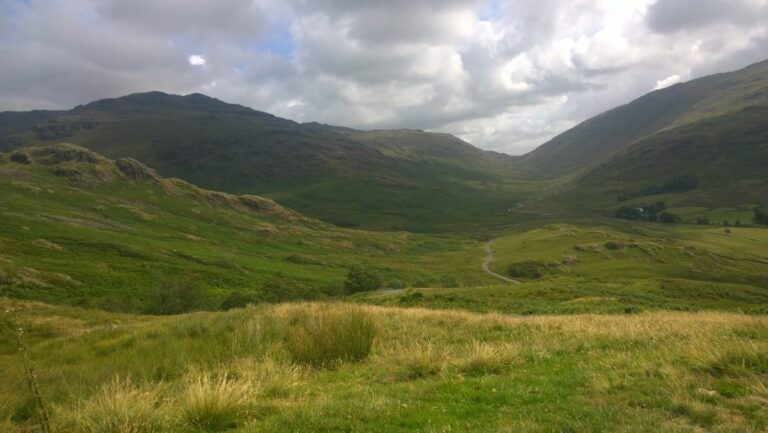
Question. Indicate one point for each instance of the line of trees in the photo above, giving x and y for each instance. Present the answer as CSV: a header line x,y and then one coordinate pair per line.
x,y
682,183
655,212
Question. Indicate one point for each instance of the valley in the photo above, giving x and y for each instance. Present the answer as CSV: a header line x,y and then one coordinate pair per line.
x,y
181,264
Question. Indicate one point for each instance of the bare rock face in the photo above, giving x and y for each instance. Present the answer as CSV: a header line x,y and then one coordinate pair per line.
x,y
135,170
67,172
258,203
58,153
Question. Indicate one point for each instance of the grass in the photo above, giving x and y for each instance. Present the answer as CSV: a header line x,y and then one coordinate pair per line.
x,y
118,407
325,337
642,251
429,370
618,268
215,404
138,243
616,326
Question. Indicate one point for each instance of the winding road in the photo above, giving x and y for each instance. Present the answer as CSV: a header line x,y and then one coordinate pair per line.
x,y
487,264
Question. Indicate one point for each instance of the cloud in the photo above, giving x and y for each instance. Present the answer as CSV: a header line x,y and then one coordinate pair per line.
x,y
196,60
504,74
672,79
668,16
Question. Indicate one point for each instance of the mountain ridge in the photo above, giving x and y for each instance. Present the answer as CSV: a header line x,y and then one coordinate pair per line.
x,y
384,179
601,137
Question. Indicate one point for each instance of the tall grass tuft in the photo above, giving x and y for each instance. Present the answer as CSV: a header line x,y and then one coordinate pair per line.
x,y
486,359
213,405
328,335
419,361
119,407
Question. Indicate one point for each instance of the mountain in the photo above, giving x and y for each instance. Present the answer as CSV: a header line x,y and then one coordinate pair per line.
x,y
79,228
394,179
712,125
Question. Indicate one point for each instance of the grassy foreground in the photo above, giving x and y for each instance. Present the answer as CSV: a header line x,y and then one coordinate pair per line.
x,y
428,371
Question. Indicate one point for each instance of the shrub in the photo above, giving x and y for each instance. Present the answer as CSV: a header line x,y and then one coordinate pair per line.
x,y
20,158
614,245
238,299
411,295
177,295
361,279
328,335
760,216
300,259
213,405
669,218
681,184
448,281
628,213
529,269
396,283
119,407
702,221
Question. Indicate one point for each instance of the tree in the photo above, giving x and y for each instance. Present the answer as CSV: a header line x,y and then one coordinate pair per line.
x,y
761,216
669,218
237,299
177,295
656,208
681,183
362,279
704,221
629,213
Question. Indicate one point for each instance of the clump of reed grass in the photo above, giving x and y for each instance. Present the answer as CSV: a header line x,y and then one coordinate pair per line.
x,y
119,407
215,404
420,361
485,359
275,379
328,335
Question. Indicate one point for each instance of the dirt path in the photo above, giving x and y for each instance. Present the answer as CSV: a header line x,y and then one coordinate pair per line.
x,y
487,264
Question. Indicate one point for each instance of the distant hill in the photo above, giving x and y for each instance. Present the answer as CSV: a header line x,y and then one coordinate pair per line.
x,y
714,126
395,179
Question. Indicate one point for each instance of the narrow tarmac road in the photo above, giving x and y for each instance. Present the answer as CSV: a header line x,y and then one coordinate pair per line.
x,y
487,264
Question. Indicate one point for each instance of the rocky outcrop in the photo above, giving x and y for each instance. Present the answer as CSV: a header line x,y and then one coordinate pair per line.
x,y
135,170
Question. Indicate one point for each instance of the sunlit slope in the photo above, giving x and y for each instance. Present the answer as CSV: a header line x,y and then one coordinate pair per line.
x,y
615,269
79,228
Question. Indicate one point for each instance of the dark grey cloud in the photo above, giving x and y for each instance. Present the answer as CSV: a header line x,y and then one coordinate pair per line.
x,y
238,20
503,74
667,16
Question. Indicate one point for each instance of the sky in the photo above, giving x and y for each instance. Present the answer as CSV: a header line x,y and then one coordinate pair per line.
x,y
505,75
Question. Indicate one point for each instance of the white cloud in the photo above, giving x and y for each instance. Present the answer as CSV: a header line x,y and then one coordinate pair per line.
x,y
196,60
672,79
506,76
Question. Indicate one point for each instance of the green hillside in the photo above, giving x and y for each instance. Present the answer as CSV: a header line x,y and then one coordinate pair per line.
x,y
703,108
400,179
81,229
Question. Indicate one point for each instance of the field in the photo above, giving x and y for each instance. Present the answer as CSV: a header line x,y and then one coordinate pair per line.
x,y
428,371
614,268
